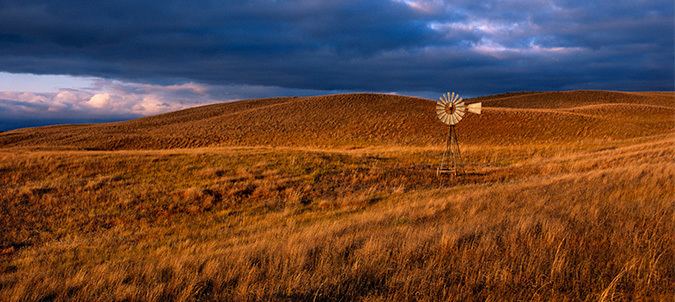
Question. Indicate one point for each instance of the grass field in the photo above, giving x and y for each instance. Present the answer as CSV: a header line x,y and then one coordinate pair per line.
x,y
568,196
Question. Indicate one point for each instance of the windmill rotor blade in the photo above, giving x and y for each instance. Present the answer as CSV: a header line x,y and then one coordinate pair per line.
x,y
461,113
458,117
453,120
446,119
474,108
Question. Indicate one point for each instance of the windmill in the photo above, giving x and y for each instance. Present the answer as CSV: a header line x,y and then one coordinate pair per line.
x,y
450,109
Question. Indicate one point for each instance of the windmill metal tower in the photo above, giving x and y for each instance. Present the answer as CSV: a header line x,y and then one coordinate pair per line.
x,y
450,109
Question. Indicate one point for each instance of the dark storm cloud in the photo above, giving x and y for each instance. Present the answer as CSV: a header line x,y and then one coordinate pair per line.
x,y
476,47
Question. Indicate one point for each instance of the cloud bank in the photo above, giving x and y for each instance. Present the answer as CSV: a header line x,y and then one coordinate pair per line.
x,y
110,100
425,46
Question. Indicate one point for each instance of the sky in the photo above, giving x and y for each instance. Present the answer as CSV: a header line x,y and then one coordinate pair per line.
x,y
80,61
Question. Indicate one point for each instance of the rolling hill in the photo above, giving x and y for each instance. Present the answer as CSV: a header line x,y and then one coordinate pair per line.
x,y
567,197
356,120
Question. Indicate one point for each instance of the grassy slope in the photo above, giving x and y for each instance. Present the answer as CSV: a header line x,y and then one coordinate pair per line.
x,y
556,217
367,120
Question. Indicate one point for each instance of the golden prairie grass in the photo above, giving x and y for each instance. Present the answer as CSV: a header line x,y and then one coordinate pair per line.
x,y
575,223
568,197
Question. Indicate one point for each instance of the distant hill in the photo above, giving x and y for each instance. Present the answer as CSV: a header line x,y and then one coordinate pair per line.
x,y
356,120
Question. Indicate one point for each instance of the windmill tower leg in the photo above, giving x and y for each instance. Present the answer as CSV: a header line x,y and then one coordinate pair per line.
x,y
445,158
451,163
457,162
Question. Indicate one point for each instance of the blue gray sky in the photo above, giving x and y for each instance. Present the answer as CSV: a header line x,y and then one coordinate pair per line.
x,y
87,61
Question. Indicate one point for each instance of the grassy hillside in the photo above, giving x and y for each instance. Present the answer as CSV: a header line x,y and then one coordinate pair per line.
x,y
578,205
360,120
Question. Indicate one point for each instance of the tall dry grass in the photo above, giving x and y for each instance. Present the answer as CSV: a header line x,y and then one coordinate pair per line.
x,y
566,222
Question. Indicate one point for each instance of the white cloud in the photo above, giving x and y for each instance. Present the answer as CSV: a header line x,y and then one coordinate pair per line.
x,y
28,97
482,26
99,100
494,49
424,6
498,39
153,104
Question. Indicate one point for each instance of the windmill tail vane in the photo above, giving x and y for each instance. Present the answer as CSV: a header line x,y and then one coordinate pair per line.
x,y
451,109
